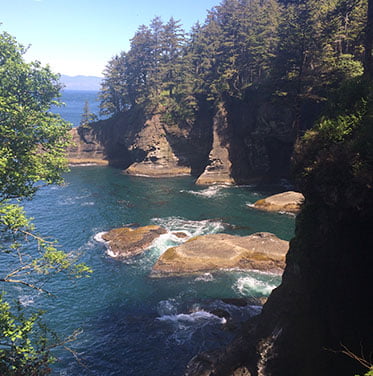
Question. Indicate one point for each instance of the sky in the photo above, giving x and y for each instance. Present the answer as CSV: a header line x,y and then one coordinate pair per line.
x,y
79,37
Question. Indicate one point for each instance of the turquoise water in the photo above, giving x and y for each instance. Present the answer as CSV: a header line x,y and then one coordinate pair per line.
x,y
74,101
131,324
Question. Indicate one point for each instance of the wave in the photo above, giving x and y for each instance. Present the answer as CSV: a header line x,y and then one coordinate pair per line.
x,y
212,191
167,307
249,285
26,300
185,325
206,277
189,227
250,205
88,203
179,230
194,317
98,237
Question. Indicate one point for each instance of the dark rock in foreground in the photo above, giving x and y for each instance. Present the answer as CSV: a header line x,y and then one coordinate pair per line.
x,y
260,251
127,242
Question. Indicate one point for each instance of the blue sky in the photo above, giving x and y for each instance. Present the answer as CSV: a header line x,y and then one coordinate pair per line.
x,y
78,37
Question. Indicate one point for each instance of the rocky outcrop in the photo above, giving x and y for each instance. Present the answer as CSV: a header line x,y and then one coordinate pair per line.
x,y
245,140
320,313
127,242
218,170
86,148
160,159
260,251
142,144
289,202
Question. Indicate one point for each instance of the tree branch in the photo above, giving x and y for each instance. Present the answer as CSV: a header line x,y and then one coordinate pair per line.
x,y
26,284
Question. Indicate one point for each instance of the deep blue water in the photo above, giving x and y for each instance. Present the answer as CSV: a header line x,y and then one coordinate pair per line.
x,y
74,101
132,324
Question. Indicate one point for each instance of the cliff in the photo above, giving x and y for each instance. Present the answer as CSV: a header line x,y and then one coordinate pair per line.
x,y
235,141
322,306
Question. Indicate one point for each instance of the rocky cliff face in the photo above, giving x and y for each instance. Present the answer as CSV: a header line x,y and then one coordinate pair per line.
x,y
238,141
322,309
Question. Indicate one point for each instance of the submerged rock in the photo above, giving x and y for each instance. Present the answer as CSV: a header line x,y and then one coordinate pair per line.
x,y
127,242
288,202
260,251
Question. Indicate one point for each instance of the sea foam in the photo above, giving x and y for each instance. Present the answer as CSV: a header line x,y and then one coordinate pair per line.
x,y
98,237
249,285
212,191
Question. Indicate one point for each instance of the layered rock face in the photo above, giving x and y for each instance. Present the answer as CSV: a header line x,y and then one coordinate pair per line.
x,y
234,142
160,159
86,148
218,170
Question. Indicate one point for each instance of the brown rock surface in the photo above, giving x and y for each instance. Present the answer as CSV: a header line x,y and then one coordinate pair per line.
x,y
219,169
127,242
260,251
85,149
288,201
160,159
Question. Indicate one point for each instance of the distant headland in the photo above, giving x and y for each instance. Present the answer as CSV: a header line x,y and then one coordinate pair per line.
x,y
81,82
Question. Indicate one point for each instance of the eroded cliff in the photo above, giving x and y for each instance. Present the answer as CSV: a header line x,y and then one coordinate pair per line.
x,y
236,141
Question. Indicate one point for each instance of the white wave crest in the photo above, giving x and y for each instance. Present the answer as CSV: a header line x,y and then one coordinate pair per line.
x,y
249,285
26,300
167,307
194,317
185,325
206,277
212,191
189,227
98,237
88,203
250,205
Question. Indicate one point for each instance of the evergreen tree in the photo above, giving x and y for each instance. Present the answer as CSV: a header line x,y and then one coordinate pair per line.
x,y
115,92
87,116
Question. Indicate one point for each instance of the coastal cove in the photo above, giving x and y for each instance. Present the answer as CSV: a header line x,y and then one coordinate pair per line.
x,y
132,324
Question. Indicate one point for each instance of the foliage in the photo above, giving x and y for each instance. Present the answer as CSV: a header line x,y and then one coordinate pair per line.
x,y
297,50
87,116
334,160
32,149
19,356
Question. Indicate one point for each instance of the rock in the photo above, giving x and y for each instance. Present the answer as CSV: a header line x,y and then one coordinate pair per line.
x,y
180,234
127,242
244,302
238,302
288,202
260,251
218,170
85,149
221,313
157,170
159,159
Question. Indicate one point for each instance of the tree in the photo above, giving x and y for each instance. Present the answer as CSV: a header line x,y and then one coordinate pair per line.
x,y
87,116
32,149
114,93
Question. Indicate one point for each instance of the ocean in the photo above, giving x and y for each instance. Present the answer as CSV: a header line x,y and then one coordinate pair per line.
x,y
73,104
131,324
